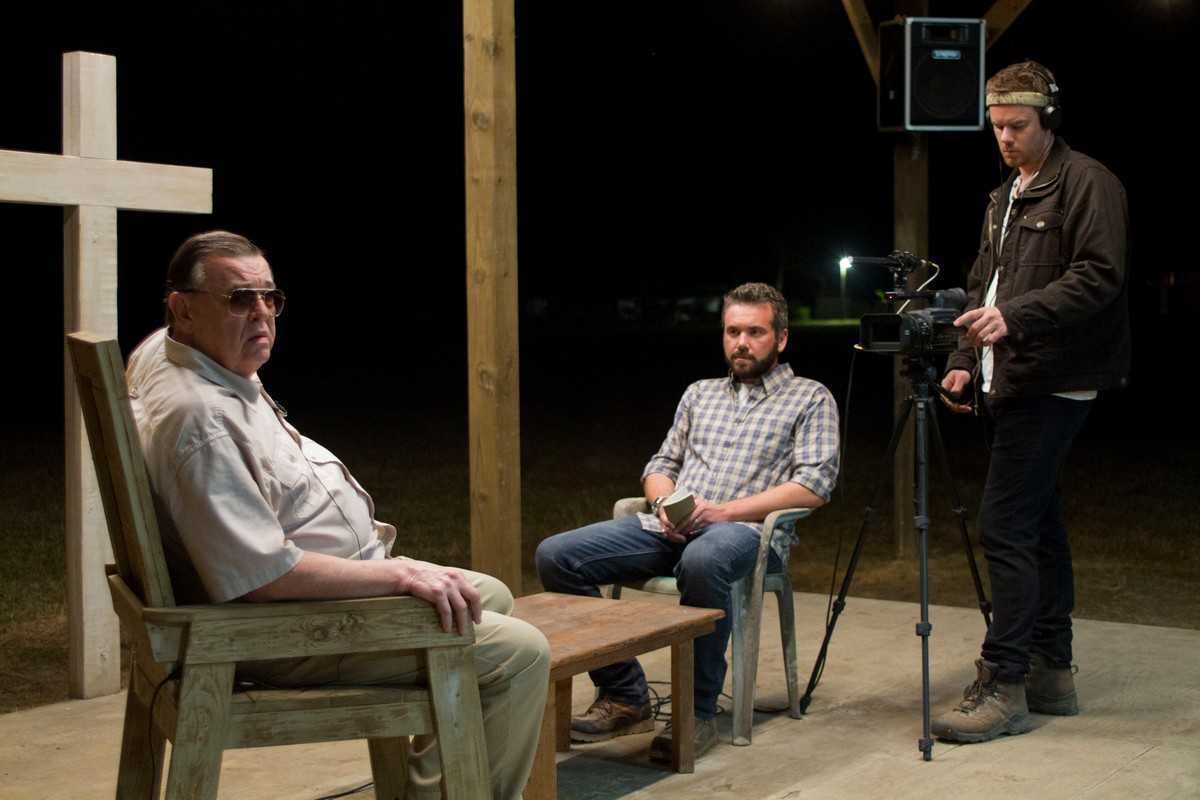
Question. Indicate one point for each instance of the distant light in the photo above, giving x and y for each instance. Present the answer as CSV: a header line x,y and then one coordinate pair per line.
x,y
846,263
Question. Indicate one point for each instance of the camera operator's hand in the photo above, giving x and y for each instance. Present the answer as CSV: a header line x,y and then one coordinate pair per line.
x,y
985,326
956,383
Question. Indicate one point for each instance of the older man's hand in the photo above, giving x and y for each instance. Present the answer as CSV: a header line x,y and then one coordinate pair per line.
x,y
446,588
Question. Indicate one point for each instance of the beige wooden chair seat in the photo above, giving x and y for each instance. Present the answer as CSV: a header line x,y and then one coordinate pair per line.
x,y
185,657
746,610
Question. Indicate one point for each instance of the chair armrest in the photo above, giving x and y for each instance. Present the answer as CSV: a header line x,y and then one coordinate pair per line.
x,y
771,525
782,517
628,506
420,611
236,632
206,634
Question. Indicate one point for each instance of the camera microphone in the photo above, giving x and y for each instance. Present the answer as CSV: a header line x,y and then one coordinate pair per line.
x,y
873,261
891,262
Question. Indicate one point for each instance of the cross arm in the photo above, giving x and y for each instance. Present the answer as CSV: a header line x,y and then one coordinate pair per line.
x,y
48,179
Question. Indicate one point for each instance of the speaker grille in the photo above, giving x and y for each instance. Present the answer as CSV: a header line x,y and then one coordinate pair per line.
x,y
944,91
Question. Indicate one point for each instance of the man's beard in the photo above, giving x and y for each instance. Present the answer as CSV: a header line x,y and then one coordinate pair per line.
x,y
753,369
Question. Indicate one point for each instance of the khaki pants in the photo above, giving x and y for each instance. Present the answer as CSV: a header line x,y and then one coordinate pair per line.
x,y
512,660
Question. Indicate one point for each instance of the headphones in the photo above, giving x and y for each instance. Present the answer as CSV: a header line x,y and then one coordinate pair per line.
x,y
1048,105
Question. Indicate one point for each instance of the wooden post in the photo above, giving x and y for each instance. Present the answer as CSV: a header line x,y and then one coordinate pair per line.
x,y
489,68
89,302
910,232
91,184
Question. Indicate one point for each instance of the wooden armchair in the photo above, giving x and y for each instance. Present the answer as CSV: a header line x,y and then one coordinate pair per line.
x,y
181,683
746,610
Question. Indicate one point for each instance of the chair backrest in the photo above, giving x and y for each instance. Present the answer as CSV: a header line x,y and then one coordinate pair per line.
x,y
120,467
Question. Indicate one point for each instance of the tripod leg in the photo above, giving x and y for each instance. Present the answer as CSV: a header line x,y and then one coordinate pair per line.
x,y
960,511
840,603
924,628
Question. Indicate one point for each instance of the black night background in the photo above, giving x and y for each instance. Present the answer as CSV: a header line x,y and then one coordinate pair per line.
x,y
667,151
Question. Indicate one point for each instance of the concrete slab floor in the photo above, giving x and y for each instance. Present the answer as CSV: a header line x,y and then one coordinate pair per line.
x,y
1138,735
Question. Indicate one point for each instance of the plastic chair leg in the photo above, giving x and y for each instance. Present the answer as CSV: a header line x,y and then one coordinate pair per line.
x,y
787,634
747,611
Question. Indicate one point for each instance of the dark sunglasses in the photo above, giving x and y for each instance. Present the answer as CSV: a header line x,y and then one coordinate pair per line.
x,y
242,301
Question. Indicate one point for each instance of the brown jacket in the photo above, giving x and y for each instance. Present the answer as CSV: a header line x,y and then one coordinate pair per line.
x,y
1063,278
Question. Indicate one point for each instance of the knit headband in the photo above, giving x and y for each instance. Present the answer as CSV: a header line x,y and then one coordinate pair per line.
x,y
1018,99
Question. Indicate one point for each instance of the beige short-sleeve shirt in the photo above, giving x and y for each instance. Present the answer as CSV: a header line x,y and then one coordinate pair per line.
x,y
244,492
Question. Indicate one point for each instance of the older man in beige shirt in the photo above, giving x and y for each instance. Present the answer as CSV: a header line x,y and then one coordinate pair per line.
x,y
259,512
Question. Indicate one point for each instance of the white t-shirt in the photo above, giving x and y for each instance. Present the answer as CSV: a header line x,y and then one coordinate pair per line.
x,y
989,300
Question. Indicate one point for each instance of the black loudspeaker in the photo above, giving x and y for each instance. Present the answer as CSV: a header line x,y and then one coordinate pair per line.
x,y
931,74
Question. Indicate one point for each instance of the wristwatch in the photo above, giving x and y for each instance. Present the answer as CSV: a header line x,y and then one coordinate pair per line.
x,y
656,503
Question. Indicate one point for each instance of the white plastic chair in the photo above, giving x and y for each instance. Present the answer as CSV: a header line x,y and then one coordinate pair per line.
x,y
747,603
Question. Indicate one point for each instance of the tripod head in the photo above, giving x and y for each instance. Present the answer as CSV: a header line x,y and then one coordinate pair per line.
x,y
920,370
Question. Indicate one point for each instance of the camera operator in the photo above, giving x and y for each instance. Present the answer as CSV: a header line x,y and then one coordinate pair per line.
x,y
1046,326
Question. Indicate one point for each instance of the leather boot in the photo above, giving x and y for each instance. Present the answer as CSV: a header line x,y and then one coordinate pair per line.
x,y
988,709
1050,689
703,738
608,719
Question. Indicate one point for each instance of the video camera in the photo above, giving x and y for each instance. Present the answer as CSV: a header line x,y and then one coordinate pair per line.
x,y
925,330
918,332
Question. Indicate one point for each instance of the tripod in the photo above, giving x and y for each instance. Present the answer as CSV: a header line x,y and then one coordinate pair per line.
x,y
923,376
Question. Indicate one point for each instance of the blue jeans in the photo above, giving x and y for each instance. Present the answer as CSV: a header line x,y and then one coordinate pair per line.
x,y
1023,534
580,561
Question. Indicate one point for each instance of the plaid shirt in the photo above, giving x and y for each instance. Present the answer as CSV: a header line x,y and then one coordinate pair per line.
x,y
723,449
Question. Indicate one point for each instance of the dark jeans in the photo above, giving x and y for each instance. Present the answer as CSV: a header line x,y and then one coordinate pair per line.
x,y
580,561
1024,538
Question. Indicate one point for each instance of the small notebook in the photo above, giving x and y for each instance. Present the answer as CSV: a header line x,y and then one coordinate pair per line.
x,y
679,505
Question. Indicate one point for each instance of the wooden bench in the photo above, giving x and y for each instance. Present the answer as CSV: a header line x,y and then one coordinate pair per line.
x,y
590,632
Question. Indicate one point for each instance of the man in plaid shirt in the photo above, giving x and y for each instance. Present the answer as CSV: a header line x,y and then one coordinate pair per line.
x,y
756,441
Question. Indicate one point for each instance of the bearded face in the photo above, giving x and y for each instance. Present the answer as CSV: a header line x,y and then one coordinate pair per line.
x,y
752,346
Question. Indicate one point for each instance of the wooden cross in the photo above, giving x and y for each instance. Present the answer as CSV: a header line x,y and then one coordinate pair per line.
x,y
92,184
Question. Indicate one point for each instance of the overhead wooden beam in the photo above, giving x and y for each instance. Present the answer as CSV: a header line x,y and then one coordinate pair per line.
x,y
1001,15
864,31
493,379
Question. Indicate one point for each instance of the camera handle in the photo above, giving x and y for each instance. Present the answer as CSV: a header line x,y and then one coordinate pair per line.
x,y
922,399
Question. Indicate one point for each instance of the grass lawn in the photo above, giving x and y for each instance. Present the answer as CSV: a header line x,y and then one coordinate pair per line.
x,y
1134,532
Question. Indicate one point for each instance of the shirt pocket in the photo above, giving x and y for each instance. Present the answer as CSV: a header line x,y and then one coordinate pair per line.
x,y
1040,238
710,429
294,493
772,438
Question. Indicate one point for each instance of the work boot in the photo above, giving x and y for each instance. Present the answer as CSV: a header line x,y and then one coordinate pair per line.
x,y
1050,689
988,709
607,719
703,738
